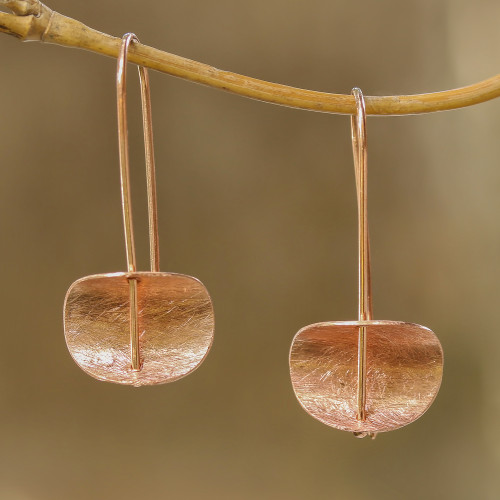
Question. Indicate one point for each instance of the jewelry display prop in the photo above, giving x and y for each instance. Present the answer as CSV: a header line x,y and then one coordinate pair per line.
x,y
365,376
138,328
34,21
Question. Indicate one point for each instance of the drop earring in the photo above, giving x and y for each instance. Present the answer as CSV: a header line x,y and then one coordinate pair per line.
x,y
138,328
365,376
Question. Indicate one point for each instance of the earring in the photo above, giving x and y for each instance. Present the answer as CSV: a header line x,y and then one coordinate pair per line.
x,y
138,328
365,376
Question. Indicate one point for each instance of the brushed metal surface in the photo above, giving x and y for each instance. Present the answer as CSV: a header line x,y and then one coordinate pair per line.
x,y
176,325
404,370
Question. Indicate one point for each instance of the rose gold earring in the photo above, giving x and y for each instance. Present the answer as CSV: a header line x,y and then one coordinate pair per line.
x,y
138,328
365,376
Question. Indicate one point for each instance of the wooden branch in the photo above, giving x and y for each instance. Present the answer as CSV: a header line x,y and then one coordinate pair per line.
x,y
32,20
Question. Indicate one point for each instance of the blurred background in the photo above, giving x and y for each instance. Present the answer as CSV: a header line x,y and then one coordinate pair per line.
x,y
258,202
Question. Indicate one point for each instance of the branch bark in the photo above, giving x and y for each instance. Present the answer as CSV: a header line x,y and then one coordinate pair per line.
x,y
32,20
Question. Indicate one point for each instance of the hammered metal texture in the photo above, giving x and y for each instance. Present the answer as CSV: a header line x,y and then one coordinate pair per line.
x,y
176,325
404,370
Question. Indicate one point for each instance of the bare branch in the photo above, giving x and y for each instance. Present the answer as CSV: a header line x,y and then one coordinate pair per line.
x,y
32,20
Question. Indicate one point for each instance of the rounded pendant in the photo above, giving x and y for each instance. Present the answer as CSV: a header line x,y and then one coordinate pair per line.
x,y
404,366
175,326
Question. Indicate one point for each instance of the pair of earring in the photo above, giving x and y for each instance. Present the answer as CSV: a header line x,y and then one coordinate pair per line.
x,y
144,328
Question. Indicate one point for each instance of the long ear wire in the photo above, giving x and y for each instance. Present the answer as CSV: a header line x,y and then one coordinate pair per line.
x,y
121,95
358,135
121,88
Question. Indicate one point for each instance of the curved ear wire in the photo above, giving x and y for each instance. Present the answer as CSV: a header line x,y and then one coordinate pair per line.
x,y
358,135
121,94
121,87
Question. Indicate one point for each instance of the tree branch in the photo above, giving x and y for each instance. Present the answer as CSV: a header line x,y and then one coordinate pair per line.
x,y
32,20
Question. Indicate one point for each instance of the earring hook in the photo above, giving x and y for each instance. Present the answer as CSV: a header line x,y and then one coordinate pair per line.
x,y
358,135
121,87
359,149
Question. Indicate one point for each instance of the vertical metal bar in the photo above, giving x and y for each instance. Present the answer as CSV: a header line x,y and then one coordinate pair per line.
x,y
135,354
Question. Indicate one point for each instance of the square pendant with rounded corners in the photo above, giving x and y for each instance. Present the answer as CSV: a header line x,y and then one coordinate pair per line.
x,y
175,323
404,365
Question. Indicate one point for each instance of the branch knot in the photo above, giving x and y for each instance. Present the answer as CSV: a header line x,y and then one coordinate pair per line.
x,y
31,19
23,7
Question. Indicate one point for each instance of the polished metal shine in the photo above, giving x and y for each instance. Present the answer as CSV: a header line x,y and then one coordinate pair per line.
x,y
138,328
365,376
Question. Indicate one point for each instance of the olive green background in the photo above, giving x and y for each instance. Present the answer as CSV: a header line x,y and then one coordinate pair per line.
x,y
257,201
